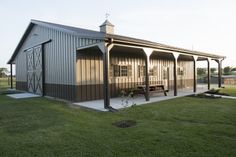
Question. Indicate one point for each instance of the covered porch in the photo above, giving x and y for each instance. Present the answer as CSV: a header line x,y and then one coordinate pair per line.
x,y
168,73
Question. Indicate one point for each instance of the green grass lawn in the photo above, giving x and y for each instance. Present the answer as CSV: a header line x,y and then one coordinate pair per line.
x,y
229,90
182,127
4,84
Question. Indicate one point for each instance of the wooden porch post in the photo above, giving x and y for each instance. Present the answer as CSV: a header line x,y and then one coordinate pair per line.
x,y
194,74
176,55
105,48
219,72
106,88
147,96
147,52
11,76
208,74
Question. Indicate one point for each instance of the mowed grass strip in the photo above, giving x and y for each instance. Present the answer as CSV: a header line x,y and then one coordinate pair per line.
x,y
5,83
231,90
182,127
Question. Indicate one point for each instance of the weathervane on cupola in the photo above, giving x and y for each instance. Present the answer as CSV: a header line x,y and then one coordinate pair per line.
x,y
107,15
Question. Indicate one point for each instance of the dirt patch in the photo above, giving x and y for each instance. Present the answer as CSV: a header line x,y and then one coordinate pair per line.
x,y
125,123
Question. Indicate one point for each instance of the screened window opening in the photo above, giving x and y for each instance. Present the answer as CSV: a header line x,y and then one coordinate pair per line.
x,y
180,71
142,71
122,70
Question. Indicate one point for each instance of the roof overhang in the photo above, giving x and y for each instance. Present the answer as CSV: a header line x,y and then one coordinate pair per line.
x,y
116,39
185,54
26,33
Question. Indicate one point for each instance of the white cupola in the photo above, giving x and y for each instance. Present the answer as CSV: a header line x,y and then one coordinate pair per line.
x,y
107,27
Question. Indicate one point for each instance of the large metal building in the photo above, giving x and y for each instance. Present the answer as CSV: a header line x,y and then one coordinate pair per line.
x,y
80,65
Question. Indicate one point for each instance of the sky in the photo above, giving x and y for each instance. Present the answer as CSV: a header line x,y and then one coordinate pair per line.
x,y
203,25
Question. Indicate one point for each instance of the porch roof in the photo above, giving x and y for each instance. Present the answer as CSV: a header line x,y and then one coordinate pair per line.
x,y
145,43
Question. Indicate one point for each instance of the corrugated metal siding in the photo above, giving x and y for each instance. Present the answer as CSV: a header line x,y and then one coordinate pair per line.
x,y
21,72
90,76
187,79
60,56
21,67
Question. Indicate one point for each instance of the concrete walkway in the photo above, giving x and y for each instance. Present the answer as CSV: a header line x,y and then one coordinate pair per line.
x,y
22,95
116,103
222,96
228,97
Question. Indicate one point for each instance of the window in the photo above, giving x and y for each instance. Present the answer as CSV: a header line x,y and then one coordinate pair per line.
x,y
141,70
116,70
153,71
165,75
122,70
165,72
180,71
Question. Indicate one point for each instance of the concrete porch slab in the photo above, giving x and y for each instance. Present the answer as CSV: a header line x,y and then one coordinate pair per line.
x,y
117,103
23,95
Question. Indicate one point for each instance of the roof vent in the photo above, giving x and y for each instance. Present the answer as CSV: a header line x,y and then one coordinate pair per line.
x,y
107,27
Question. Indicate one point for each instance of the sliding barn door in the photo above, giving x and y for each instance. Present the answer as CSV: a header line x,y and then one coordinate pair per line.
x,y
34,70
30,70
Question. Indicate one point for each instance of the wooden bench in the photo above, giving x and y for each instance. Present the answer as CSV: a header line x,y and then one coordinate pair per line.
x,y
153,88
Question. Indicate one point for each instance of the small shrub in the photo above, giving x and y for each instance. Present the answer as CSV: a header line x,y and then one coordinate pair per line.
x,y
126,96
213,91
203,95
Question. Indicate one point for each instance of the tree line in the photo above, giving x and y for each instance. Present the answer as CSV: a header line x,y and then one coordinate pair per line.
x,y
228,70
4,72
